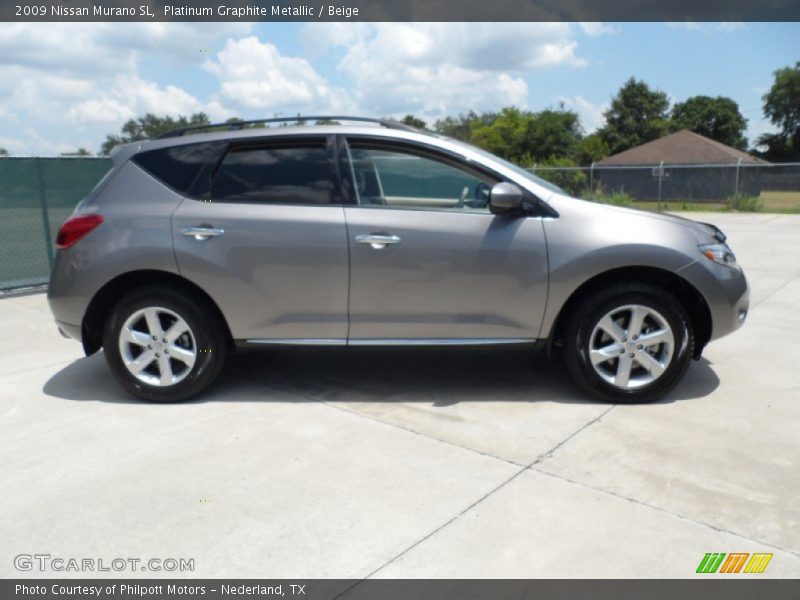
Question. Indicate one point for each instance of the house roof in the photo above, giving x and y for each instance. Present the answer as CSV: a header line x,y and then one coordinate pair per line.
x,y
681,148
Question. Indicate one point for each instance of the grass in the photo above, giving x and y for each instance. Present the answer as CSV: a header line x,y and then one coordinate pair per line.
x,y
767,202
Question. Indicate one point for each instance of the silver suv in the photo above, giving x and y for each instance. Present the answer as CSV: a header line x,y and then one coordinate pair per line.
x,y
365,233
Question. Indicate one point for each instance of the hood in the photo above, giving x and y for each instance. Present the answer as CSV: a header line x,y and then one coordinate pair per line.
x,y
705,230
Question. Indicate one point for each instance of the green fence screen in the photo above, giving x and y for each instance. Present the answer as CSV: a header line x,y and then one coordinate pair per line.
x,y
36,196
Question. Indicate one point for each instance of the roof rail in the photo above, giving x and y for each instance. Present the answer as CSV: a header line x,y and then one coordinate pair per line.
x,y
233,125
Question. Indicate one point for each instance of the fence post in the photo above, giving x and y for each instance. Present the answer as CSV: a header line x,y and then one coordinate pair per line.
x,y
591,178
660,178
45,217
736,185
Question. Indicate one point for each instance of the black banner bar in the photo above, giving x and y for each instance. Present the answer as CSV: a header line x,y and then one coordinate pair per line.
x,y
399,10
732,588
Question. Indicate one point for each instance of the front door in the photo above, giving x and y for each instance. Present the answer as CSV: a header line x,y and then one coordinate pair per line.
x,y
428,262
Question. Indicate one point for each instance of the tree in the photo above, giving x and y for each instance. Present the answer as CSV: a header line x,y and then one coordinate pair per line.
x,y
505,135
413,121
527,138
637,115
716,118
565,175
150,126
592,149
3,152
78,152
462,126
782,107
553,134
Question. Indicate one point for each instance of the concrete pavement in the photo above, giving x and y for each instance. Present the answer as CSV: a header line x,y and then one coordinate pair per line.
x,y
412,463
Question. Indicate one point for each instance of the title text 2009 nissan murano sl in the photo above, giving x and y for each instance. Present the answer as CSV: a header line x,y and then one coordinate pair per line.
x,y
370,233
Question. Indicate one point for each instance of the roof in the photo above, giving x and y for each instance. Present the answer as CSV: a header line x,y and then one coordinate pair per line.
x,y
683,147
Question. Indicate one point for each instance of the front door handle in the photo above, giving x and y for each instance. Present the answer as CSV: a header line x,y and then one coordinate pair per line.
x,y
378,241
201,233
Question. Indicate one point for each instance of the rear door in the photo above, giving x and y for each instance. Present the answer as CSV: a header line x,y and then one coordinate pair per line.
x,y
268,241
428,262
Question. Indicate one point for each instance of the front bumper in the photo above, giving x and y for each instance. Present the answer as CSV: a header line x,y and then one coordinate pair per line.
x,y
726,292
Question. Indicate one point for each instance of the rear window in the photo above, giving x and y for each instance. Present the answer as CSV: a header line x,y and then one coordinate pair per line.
x,y
291,173
178,166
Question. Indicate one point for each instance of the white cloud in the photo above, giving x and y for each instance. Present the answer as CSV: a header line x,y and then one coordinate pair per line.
x,y
594,29
255,75
90,74
100,110
437,68
725,26
591,115
729,26
108,49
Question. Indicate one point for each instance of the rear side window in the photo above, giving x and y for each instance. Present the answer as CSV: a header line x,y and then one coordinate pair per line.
x,y
178,166
287,173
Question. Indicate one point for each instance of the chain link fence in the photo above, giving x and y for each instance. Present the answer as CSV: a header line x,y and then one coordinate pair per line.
x,y
767,187
36,196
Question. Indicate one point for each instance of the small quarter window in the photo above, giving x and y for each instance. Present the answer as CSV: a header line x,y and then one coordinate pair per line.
x,y
178,166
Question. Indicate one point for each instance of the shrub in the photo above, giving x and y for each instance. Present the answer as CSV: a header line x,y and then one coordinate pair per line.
x,y
615,198
744,203
564,174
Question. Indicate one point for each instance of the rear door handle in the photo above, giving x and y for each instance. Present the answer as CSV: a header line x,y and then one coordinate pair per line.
x,y
378,241
201,233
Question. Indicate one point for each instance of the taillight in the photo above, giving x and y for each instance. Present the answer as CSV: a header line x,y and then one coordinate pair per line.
x,y
75,228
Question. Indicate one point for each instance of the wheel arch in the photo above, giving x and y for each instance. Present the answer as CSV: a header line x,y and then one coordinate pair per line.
x,y
685,292
107,296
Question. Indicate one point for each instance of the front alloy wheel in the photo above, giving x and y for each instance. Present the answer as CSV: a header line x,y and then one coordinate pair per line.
x,y
631,346
628,342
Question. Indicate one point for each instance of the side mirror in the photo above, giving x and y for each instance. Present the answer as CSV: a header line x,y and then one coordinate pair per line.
x,y
504,198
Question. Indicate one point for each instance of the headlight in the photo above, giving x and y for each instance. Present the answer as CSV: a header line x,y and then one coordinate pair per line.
x,y
720,254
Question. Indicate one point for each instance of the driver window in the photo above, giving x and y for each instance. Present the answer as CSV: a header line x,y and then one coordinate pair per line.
x,y
400,178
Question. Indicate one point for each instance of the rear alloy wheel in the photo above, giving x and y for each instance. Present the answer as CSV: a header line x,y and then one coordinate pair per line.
x,y
164,346
628,343
157,346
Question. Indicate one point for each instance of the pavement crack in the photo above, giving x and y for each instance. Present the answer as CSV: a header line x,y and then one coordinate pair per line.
x,y
760,302
548,454
453,519
488,494
681,516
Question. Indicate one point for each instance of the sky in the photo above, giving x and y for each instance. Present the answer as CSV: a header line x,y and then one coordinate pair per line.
x,y
67,85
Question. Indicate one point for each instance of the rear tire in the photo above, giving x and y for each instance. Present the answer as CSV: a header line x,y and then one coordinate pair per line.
x,y
628,343
163,346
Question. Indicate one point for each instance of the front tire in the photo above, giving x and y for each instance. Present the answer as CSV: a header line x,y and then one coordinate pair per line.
x,y
163,346
628,343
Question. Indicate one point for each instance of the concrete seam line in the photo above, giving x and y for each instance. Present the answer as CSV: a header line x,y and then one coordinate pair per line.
x,y
663,510
544,456
438,529
388,424
481,499
29,307
760,302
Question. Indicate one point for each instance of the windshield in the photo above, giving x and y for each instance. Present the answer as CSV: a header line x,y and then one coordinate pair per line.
x,y
516,168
